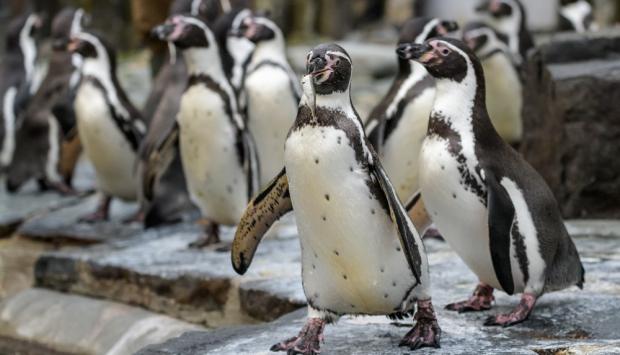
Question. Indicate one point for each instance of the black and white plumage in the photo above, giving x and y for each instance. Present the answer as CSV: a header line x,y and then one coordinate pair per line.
x,y
576,15
509,18
47,135
504,87
511,235
353,229
17,71
272,92
217,149
397,125
109,126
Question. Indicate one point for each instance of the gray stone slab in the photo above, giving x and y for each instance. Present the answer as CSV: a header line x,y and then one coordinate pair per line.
x,y
62,224
156,269
15,208
584,321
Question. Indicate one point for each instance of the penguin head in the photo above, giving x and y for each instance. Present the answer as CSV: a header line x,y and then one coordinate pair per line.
x,y
208,10
420,29
67,23
330,67
21,30
484,40
257,29
98,54
185,32
443,58
507,16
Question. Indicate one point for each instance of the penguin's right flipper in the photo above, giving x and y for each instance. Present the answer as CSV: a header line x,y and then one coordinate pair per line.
x,y
262,212
155,160
501,217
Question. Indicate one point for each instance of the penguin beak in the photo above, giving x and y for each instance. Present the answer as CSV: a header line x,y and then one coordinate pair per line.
x,y
422,53
164,31
60,44
321,69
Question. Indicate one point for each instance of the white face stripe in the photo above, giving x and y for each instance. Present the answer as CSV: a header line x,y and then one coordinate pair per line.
x,y
195,9
210,36
226,6
28,46
76,24
8,113
426,31
242,15
493,43
339,54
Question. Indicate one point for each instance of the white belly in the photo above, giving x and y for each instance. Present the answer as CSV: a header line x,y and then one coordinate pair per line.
x,y
104,144
402,148
504,97
459,214
215,179
351,256
271,112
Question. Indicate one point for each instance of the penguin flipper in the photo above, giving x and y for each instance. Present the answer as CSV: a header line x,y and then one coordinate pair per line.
x,y
501,217
266,208
250,162
398,214
154,161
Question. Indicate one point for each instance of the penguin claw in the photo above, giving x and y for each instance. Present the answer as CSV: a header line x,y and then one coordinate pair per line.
x,y
518,315
481,300
308,342
426,332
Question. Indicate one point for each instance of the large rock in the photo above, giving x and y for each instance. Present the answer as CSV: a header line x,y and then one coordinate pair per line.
x,y
157,270
571,122
580,321
37,321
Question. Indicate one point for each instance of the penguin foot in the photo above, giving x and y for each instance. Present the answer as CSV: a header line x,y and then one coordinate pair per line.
x,y
308,342
481,300
138,217
101,214
433,233
426,332
518,315
210,237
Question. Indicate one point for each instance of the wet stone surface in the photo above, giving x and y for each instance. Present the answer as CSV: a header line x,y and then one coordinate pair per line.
x,y
578,320
62,224
157,270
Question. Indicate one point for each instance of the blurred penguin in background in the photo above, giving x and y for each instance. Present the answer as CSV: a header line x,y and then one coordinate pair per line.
x,y
16,79
47,145
576,15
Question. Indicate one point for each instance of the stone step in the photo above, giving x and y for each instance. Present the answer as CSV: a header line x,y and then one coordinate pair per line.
x,y
37,321
578,321
157,270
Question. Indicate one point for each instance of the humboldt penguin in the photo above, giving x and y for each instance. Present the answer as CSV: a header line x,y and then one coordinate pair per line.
x,y
272,91
504,88
47,144
397,125
576,15
16,80
490,205
217,149
361,254
509,18
163,192
109,126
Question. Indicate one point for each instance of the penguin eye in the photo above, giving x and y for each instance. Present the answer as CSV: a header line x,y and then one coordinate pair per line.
x,y
444,52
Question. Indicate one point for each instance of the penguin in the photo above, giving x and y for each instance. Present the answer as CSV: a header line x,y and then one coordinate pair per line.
x,y
489,204
576,15
163,192
16,79
47,146
504,88
361,254
397,125
109,126
272,92
509,18
217,149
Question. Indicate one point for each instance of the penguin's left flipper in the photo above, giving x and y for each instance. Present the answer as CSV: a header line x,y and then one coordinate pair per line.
x,y
250,162
262,212
501,218
398,214
155,160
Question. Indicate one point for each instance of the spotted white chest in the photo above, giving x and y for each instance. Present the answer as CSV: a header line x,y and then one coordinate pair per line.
x,y
271,111
104,143
351,256
504,96
402,148
215,178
